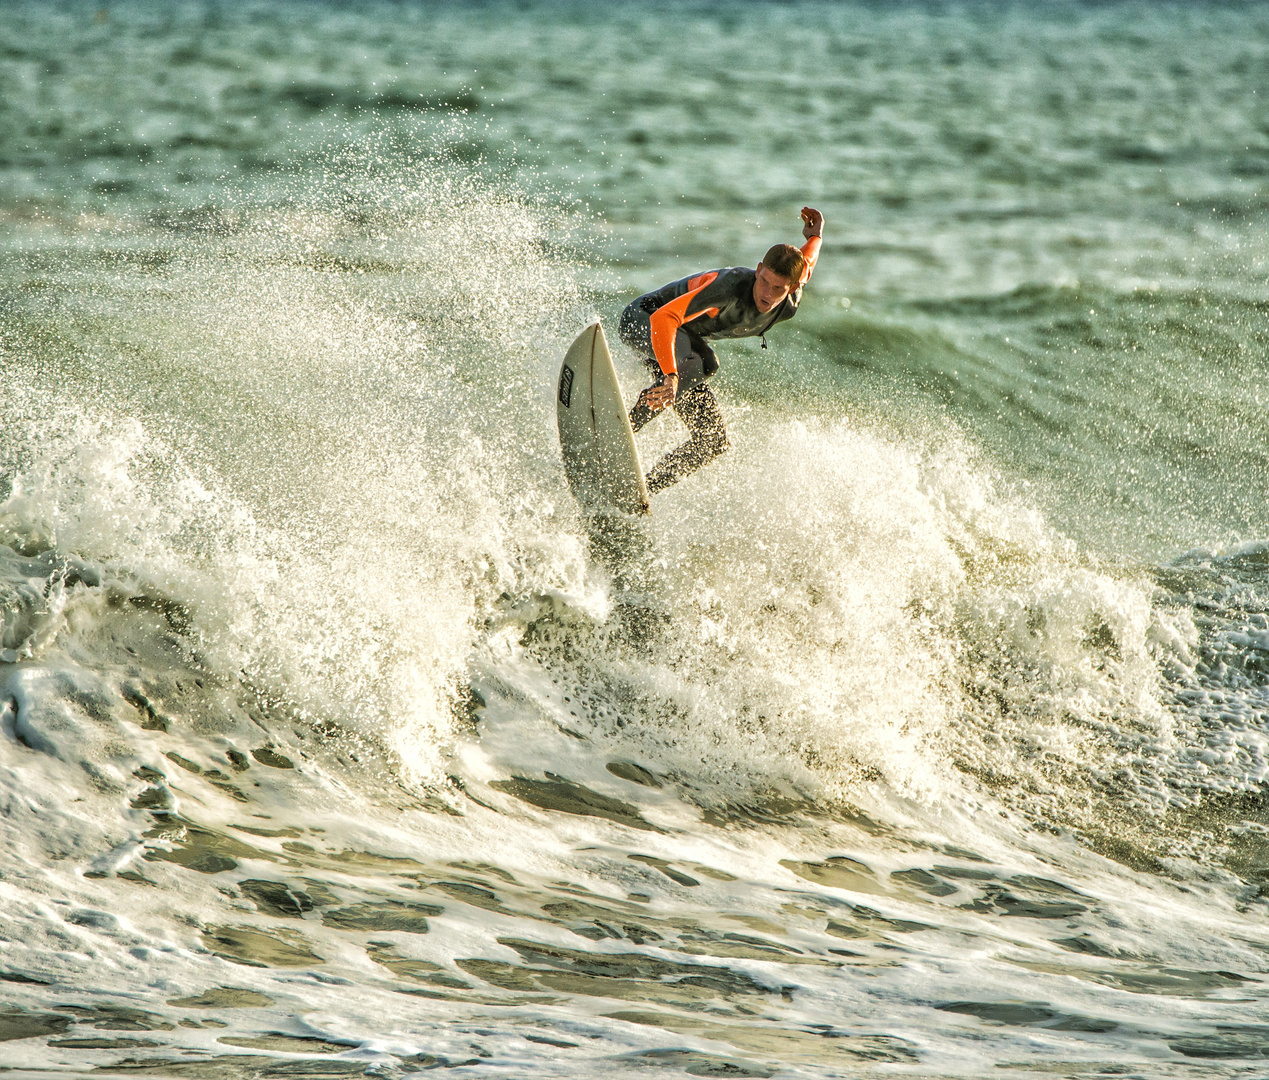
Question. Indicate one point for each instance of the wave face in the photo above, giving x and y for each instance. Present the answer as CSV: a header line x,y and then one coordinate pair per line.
x,y
924,733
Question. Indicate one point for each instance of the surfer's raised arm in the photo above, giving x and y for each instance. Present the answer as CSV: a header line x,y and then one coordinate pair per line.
x,y
671,327
812,231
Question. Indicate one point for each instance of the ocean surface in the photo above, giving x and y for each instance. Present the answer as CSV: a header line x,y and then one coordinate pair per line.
x,y
924,734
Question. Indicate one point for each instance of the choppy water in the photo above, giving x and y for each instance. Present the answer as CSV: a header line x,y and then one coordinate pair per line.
x,y
926,733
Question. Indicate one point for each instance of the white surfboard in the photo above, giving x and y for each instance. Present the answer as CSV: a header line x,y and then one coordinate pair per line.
x,y
601,460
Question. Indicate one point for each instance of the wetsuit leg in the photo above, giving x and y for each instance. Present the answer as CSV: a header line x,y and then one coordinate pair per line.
x,y
696,363
699,411
694,404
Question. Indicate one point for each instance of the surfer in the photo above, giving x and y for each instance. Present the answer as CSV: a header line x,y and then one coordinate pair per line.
x,y
671,327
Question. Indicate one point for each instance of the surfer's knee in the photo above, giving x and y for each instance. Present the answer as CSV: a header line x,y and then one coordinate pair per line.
x,y
711,441
709,435
705,421
642,412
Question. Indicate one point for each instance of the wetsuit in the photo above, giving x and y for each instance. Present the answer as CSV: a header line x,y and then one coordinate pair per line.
x,y
671,328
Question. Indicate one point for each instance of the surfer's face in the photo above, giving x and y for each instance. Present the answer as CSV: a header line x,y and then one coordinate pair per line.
x,y
769,289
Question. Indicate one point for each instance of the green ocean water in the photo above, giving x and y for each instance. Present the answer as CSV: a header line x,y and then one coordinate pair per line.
x,y
1047,218
925,733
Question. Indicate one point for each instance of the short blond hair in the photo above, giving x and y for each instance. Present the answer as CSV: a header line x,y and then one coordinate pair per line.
x,y
785,260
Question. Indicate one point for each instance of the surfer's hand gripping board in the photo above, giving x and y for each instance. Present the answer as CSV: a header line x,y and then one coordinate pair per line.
x,y
601,460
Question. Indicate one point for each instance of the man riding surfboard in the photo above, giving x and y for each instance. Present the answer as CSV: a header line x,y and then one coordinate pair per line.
x,y
670,328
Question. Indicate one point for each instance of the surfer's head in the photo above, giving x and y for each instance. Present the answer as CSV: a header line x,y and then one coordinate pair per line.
x,y
778,275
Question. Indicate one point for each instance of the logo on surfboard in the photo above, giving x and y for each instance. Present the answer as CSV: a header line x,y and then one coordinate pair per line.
x,y
566,385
